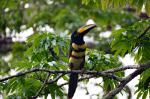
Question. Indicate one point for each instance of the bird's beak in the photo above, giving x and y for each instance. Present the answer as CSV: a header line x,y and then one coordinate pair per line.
x,y
85,29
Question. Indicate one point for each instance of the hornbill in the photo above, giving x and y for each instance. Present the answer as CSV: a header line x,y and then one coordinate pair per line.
x,y
77,55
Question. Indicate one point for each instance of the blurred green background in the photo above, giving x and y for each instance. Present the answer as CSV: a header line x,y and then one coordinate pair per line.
x,y
36,34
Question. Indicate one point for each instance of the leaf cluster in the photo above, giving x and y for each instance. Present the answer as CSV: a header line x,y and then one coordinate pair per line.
x,y
50,50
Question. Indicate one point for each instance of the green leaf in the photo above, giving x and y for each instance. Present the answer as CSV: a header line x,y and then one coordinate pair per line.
x,y
145,94
104,4
139,5
11,85
147,7
139,95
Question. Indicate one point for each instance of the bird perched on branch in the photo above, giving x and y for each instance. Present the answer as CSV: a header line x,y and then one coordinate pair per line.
x,y
77,55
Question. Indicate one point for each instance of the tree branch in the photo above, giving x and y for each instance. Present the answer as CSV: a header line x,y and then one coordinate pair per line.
x,y
140,66
125,80
106,73
96,73
140,69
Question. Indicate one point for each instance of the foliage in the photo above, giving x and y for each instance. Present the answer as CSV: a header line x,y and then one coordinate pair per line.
x,y
38,54
131,40
106,4
100,61
49,49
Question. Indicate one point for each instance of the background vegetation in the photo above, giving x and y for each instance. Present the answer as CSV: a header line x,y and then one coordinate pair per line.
x,y
51,22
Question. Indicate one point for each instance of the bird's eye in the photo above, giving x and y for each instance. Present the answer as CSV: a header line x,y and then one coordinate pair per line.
x,y
75,36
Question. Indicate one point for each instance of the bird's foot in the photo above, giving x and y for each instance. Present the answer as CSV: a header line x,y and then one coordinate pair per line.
x,y
82,71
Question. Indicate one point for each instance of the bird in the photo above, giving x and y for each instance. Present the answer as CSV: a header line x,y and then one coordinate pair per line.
x,y
77,55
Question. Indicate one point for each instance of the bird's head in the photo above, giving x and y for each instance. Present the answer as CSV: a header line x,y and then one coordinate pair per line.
x,y
78,35
85,29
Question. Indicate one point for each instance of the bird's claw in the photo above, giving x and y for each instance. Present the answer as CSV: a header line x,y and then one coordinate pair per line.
x,y
82,71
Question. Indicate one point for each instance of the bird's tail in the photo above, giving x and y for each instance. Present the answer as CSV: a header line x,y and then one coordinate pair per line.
x,y
72,84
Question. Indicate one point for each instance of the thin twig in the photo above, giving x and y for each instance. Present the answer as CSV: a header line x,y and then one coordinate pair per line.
x,y
122,68
55,79
146,30
53,53
42,87
81,79
129,92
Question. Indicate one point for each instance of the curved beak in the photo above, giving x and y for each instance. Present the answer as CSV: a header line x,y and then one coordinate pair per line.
x,y
85,29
